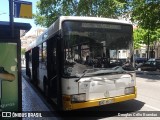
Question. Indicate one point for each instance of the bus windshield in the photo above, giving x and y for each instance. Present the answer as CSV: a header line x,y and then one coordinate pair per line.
x,y
94,47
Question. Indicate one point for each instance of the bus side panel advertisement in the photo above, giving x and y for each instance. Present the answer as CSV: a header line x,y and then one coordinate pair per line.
x,y
8,77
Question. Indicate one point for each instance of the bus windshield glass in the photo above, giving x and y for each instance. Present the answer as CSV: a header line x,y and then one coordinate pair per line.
x,y
95,48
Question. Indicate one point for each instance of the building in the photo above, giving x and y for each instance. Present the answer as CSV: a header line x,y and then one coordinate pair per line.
x,y
156,49
29,38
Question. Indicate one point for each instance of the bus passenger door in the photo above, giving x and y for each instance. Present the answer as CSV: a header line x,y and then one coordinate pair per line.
x,y
27,64
42,69
35,63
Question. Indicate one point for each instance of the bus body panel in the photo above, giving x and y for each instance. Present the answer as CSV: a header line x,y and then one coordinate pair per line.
x,y
99,86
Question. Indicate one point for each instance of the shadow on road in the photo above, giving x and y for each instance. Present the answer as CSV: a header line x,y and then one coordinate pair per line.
x,y
149,78
100,112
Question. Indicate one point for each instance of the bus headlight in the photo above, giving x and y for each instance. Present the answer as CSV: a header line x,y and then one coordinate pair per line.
x,y
78,98
129,90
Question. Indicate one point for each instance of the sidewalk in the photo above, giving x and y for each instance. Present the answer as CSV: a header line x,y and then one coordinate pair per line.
x,y
32,102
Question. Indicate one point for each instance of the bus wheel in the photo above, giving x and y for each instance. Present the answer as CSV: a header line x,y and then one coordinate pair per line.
x,y
45,86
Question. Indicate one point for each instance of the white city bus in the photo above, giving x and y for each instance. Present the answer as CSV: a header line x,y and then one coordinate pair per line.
x,y
81,62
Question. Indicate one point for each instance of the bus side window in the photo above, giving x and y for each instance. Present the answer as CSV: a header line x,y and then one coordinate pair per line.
x,y
51,57
44,55
40,56
54,55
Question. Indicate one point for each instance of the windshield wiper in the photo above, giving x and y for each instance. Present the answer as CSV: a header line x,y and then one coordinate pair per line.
x,y
81,76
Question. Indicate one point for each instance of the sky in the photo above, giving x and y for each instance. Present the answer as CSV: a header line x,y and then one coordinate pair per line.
x,y
4,13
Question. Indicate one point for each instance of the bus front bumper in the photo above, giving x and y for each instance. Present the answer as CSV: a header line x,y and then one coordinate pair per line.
x,y
67,105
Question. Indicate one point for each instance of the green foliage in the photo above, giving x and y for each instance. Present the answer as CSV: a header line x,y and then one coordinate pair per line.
x,y
141,37
138,37
146,13
154,36
49,10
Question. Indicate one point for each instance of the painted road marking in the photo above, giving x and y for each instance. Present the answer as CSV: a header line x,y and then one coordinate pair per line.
x,y
154,108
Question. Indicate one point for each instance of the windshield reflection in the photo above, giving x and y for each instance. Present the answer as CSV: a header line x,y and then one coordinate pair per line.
x,y
96,51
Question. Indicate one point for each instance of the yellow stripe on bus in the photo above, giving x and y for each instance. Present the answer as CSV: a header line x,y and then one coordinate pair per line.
x,y
96,102
71,106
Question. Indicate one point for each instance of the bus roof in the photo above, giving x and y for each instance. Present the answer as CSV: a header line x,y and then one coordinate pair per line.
x,y
96,19
56,26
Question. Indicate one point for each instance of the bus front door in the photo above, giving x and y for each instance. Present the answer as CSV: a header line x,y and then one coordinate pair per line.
x,y
52,69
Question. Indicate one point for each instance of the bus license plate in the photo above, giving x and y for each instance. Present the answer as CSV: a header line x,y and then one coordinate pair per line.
x,y
104,102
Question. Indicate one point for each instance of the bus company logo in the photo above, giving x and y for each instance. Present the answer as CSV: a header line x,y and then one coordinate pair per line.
x,y
6,114
69,69
14,114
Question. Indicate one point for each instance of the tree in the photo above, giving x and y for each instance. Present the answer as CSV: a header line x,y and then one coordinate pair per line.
x,y
146,13
49,10
141,37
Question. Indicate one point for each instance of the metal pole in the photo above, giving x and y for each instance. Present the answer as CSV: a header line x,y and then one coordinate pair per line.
x,y
11,17
0,95
148,46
